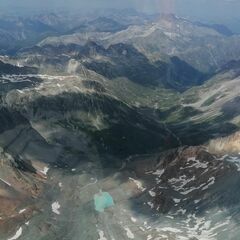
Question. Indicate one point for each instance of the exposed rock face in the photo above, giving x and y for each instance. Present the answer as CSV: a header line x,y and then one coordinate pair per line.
x,y
24,161
184,172
20,187
191,187
226,145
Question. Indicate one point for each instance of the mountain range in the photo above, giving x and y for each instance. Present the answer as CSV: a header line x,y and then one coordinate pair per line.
x,y
147,112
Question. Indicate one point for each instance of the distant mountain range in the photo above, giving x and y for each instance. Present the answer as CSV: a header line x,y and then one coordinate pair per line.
x,y
18,32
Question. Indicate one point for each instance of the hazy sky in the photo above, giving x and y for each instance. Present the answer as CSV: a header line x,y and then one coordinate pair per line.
x,y
219,10
169,5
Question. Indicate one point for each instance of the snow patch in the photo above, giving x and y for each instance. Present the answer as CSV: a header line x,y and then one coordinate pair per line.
x,y
211,181
17,235
5,182
138,184
101,235
149,237
150,204
130,235
170,229
22,211
20,91
45,170
159,172
152,194
133,219
234,160
55,208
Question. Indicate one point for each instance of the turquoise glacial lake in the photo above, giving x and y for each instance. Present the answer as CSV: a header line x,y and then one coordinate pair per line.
x,y
102,201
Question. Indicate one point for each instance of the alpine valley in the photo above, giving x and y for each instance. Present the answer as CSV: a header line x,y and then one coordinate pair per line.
x,y
143,107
